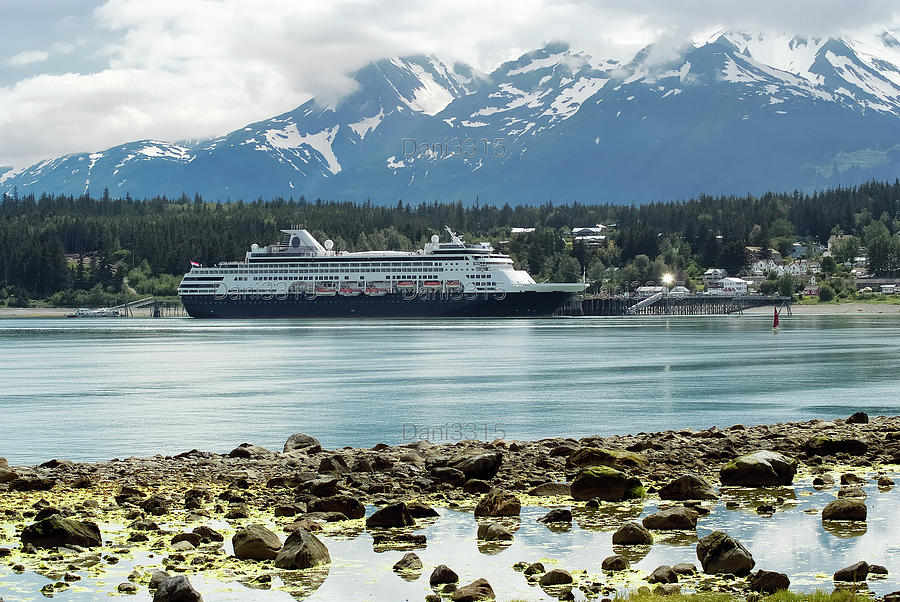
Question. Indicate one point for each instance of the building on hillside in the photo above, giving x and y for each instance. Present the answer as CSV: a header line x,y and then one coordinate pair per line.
x,y
522,230
648,291
679,292
734,286
800,250
762,266
801,268
589,230
713,276
590,236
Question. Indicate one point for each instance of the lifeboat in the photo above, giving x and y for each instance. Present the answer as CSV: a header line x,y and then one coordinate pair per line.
x,y
374,291
347,291
324,291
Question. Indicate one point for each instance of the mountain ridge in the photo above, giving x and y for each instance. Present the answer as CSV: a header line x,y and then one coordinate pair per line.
x,y
733,113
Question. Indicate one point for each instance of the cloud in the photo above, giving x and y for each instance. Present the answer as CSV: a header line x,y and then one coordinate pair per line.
x,y
175,69
27,57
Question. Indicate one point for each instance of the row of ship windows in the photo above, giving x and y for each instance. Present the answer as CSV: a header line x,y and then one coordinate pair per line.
x,y
322,271
325,277
394,265
188,285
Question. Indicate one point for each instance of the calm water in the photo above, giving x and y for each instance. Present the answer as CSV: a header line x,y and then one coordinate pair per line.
x,y
96,389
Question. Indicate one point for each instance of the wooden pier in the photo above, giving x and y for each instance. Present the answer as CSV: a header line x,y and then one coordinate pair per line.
x,y
689,305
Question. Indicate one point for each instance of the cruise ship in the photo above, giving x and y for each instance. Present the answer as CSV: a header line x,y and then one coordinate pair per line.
x,y
300,278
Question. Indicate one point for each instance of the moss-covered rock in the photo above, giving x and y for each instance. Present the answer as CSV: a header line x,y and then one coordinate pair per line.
x,y
55,531
759,469
497,502
606,484
826,446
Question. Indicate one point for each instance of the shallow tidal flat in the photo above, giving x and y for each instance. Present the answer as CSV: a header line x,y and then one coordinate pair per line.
x,y
242,526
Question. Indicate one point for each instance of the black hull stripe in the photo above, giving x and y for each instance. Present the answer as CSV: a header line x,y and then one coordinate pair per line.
x,y
389,306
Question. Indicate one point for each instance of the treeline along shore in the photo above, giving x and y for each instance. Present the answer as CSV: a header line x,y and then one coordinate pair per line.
x,y
255,514
82,251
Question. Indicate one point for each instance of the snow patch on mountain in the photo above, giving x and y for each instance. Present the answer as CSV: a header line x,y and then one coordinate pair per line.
x,y
570,99
166,150
875,86
290,139
364,126
572,62
429,96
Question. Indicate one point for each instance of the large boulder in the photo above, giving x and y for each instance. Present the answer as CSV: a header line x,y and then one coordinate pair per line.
x,y
248,451
631,534
663,574
442,574
769,582
759,469
826,446
409,563
480,466
479,589
347,505
304,443
688,487
31,484
7,475
556,577
419,509
606,484
718,552
395,515
302,550
557,515
55,531
615,563
845,509
673,518
497,502
255,542
334,464
446,474
177,589
603,456
854,572
494,532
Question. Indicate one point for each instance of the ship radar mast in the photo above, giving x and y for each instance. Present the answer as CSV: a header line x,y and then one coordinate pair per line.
x,y
456,240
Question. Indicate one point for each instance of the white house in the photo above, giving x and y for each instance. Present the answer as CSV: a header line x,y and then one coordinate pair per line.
x,y
761,266
590,240
648,291
734,286
713,276
522,230
589,230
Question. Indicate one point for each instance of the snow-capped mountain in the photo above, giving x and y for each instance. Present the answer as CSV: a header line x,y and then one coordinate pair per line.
x,y
733,112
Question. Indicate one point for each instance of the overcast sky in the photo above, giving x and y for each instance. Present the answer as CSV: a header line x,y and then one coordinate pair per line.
x,y
84,75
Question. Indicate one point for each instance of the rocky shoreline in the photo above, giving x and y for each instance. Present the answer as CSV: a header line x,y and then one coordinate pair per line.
x,y
60,518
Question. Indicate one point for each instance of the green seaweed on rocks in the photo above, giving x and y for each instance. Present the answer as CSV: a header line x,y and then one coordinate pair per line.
x,y
782,596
